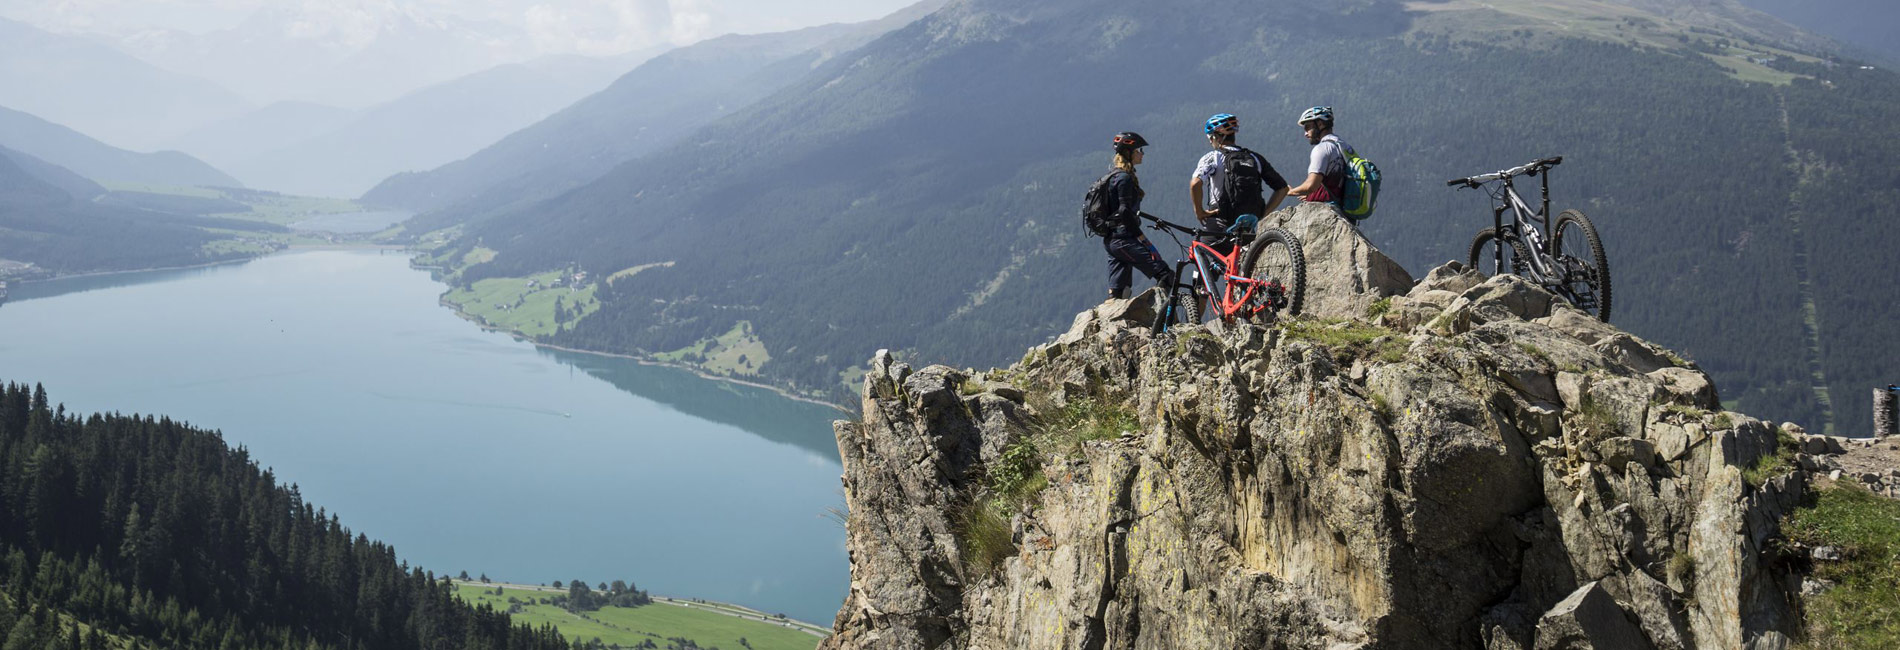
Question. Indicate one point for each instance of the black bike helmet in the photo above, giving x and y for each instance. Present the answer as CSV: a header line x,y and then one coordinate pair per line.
x,y
1127,141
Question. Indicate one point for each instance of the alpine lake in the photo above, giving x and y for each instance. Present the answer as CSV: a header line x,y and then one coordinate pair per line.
x,y
465,449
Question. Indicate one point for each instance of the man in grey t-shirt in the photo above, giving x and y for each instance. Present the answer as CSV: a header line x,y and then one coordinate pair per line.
x,y
1208,187
1326,167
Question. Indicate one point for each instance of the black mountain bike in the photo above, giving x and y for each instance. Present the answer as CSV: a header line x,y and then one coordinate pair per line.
x,y
1270,281
1566,258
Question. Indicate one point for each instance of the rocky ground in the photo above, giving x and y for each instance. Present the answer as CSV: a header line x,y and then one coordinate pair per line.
x,y
1454,462
1873,463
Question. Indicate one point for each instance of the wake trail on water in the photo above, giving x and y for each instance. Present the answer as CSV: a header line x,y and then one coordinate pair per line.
x,y
450,402
226,380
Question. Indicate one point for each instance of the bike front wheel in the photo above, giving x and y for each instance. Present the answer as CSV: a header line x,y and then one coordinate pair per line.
x,y
1174,309
1176,305
1483,259
1275,258
1580,260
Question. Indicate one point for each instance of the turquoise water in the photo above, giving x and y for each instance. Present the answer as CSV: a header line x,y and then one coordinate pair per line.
x,y
465,449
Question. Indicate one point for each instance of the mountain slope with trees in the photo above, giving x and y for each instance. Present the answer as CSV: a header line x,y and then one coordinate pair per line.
x,y
156,532
920,193
48,218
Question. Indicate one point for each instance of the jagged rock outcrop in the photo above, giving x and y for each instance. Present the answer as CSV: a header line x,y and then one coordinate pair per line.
x,y
1345,273
1476,464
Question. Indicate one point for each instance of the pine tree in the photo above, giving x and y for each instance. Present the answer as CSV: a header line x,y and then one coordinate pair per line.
x,y
24,635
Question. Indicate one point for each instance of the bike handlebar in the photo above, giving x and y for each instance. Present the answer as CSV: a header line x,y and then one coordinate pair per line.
x,y
1163,224
1531,168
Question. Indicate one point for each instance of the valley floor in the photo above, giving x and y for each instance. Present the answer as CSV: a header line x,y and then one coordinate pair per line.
x,y
709,624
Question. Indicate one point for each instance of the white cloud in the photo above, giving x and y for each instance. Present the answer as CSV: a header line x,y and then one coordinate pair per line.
x,y
692,20
598,28
549,26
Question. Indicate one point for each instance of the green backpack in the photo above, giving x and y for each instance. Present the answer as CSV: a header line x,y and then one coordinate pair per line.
x,y
1361,190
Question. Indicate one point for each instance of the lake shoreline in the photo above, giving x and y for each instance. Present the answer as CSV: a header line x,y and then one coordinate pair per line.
x,y
734,610
332,365
699,372
289,249
645,361
95,274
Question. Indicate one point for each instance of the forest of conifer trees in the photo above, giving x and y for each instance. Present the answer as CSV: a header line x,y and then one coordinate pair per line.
x,y
124,531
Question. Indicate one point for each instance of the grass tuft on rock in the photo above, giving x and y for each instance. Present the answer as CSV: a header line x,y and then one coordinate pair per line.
x,y
1771,465
1378,308
1690,412
1084,420
1009,485
1382,407
1860,611
1682,571
1593,419
1349,340
1722,421
1017,477
983,529
1013,482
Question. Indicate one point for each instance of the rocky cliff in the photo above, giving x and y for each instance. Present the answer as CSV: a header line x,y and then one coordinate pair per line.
x,y
1458,462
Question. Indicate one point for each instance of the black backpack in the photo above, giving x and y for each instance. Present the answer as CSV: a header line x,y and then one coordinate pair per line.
x,y
1241,192
1095,214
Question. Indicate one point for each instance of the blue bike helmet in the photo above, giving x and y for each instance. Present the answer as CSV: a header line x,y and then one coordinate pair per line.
x,y
1220,120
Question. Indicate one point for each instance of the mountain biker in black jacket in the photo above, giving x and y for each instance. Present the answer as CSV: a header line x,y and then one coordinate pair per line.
x,y
1129,250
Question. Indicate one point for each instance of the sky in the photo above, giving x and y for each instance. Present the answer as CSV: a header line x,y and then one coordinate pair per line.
x,y
594,27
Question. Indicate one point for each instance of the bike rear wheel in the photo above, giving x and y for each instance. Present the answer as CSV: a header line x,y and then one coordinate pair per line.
x,y
1580,258
1275,257
1482,255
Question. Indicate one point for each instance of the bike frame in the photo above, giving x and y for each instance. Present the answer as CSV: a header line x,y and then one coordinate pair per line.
x,y
1541,263
1235,293
1532,226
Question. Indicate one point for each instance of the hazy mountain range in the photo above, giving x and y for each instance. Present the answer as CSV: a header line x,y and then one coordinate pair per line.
x,y
321,150
101,91
99,161
920,192
354,55
655,105
437,90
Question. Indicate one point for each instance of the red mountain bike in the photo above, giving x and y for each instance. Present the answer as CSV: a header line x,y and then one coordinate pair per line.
x,y
1270,280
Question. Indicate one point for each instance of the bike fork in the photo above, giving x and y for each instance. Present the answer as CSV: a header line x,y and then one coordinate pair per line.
x,y
1497,242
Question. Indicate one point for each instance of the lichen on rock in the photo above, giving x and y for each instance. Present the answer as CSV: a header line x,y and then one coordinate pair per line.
x,y
1501,471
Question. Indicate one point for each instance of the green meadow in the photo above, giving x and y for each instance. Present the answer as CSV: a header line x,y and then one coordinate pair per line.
x,y
525,305
630,627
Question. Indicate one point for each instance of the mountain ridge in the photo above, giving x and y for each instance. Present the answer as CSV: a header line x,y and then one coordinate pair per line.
x,y
103,92
50,220
100,161
917,185
652,106
424,128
